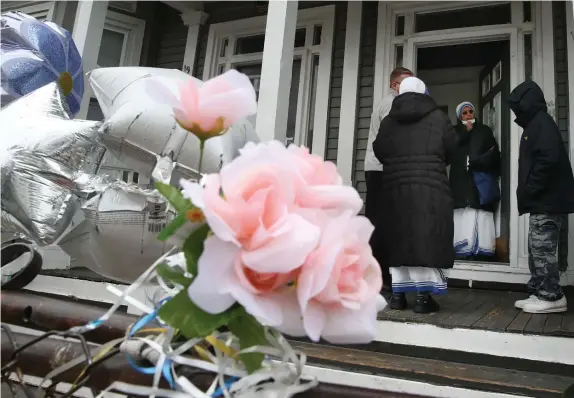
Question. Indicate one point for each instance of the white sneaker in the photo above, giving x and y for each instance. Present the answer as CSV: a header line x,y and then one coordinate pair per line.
x,y
520,303
538,306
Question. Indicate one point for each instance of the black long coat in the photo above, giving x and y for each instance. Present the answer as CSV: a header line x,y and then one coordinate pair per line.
x,y
477,148
415,143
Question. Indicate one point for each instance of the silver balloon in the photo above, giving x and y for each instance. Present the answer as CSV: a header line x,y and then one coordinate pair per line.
x,y
42,152
117,234
142,132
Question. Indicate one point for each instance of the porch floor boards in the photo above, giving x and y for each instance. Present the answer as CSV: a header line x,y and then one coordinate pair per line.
x,y
487,310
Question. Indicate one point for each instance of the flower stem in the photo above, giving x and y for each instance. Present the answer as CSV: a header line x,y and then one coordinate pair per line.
x,y
201,149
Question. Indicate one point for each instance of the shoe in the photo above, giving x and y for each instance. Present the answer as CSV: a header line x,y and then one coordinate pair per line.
x,y
539,306
520,303
425,304
398,301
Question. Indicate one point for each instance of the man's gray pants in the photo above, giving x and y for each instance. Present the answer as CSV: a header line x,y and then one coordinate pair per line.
x,y
543,261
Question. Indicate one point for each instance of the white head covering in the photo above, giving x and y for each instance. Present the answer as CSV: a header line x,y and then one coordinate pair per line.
x,y
460,107
412,85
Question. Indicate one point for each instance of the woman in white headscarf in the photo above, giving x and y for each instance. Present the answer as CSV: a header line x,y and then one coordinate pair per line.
x,y
474,173
415,229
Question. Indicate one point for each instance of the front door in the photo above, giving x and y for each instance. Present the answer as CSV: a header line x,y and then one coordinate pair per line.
x,y
494,88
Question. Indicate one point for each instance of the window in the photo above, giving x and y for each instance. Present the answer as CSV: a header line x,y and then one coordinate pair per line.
x,y
400,25
239,45
399,51
527,11
42,10
528,56
463,18
254,44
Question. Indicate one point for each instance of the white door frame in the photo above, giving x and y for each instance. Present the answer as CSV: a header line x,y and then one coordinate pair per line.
x,y
307,18
516,65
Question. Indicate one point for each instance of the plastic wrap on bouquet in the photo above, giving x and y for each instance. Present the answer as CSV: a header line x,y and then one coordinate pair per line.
x,y
138,128
118,237
35,53
42,152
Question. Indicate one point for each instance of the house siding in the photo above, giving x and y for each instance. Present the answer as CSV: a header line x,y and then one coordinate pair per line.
x,y
172,36
366,90
562,105
230,11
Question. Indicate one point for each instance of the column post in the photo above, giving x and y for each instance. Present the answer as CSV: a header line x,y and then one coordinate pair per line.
x,y
348,120
88,28
276,70
193,20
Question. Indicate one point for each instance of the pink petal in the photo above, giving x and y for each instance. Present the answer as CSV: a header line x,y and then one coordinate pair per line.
x,y
293,239
292,323
316,273
210,290
220,216
189,99
264,308
331,197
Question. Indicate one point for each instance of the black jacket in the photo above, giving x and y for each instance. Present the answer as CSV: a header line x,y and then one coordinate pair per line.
x,y
414,144
545,181
481,149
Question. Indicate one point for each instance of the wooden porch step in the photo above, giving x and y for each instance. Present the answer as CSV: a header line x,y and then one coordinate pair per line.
x,y
439,372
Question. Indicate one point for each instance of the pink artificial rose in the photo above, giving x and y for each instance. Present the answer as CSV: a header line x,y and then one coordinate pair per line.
x,y
208,109
259,240
339,284
265,210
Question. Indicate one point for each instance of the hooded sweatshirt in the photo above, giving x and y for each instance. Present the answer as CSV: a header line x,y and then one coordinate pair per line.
x,y
545,179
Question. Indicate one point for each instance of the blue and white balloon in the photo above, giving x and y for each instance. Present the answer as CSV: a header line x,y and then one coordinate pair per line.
x,y
35,53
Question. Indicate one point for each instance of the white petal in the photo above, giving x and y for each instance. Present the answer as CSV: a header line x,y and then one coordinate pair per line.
x,y
351,327
210,290
192,191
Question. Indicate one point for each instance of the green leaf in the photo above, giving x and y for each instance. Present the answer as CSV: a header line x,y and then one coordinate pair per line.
x,y
193,247
174,197
171,228
173,274
181,313
250,333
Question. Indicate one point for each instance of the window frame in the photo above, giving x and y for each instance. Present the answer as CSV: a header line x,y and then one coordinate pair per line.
x,y
307,18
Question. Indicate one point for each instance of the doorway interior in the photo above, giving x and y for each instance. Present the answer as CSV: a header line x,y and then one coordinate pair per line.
x,y
478,72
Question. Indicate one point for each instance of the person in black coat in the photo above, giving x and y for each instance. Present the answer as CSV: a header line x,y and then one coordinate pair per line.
x,y
477,151
415,230
545,191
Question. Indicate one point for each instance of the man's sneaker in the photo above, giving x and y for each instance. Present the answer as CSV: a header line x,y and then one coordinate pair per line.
x,y
520,303
538,306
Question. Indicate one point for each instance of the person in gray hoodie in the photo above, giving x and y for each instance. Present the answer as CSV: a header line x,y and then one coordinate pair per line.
x,y
373,167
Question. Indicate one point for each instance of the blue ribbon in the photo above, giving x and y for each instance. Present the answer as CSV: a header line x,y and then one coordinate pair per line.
x,y
228,384
166,368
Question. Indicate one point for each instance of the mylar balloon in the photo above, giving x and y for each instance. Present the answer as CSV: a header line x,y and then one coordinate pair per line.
x,y
35,53
138,128
118,236
42,153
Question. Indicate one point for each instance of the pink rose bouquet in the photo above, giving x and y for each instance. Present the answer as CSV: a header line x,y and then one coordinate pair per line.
x,y
277,243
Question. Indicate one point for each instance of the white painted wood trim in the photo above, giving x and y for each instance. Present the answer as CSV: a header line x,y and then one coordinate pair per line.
x,y
42,9
193,21
570,51
390,384
548,81
277,64
87,34
324,16
380,81
322,95
512,345
349,96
